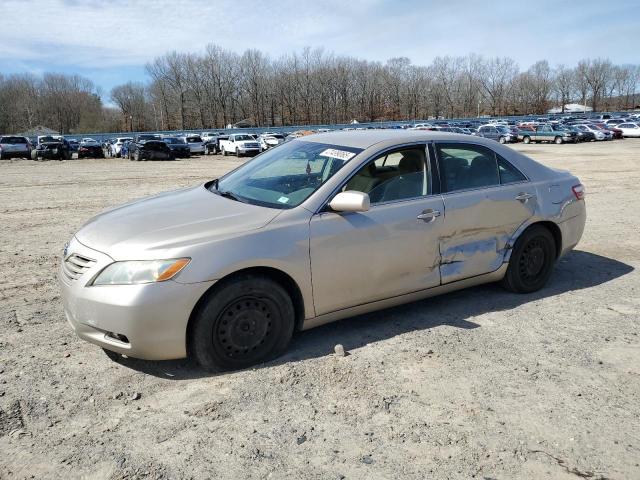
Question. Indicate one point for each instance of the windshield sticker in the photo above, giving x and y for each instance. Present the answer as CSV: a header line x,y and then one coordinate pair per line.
x,y
283,199
339,154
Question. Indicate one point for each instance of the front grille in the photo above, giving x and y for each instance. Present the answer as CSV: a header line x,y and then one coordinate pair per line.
x,y
75,265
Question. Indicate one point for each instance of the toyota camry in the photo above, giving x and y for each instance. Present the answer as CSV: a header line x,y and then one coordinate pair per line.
x,y
314,230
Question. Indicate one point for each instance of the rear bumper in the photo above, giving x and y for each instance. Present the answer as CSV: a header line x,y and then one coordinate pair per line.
x,y
143,321
16,154
572,228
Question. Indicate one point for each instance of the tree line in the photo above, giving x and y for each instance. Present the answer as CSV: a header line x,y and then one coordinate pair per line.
x,y
220,87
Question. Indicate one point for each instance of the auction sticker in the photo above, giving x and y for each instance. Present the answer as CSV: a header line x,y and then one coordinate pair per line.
x,y
339,154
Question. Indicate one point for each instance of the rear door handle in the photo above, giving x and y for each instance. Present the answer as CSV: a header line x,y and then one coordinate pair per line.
x,y
429,215
523,196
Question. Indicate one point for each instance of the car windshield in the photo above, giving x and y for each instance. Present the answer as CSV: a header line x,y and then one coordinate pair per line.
x,y
285,176
173,140
48,140
194,139
148,137
242,138
503,129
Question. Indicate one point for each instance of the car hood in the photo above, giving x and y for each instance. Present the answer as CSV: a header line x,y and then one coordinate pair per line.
x,y
167,225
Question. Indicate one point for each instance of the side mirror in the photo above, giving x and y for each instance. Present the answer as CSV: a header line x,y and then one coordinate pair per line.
x,y
350,201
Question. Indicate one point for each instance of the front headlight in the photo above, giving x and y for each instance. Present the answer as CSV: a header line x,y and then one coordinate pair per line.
x,y
140,271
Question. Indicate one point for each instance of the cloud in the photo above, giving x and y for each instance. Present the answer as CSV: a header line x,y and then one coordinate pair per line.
x,y
122,35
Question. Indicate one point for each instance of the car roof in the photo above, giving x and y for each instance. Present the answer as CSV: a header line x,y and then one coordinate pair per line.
x,y
367,138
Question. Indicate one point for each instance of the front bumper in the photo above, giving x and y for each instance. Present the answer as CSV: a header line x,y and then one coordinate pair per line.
x,y
244,151
146,321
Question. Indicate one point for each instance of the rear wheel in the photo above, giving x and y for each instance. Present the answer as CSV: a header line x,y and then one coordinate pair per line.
x,y
136,156
526,140
246,320
531,262
224,152
558,140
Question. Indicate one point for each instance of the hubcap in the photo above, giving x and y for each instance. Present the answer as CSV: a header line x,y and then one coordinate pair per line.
x,y
244,327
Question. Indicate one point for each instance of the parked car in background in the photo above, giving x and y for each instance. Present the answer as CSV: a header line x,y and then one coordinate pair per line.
x,y
115,147
597,132
90,148
240,144
630,130
178,146
52,147
316,230
545,133
616,134
13,146
499,133
573,137
152,150
74,144
268,140
195,142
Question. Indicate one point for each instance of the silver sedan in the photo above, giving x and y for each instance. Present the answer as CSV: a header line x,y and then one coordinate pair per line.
x,y
317,229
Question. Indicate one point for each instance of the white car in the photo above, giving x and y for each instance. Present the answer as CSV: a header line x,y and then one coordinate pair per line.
x,y
240,144
206,136
268,140
196,144
599,134
629,129
116,146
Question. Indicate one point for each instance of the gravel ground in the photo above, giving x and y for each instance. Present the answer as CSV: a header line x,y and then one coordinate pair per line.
x,y
476,384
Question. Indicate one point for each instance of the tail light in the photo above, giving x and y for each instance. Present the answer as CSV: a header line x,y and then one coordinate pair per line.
x,y
578,191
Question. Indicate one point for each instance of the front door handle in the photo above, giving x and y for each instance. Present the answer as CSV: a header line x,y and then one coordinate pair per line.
x,y
524,197
429,215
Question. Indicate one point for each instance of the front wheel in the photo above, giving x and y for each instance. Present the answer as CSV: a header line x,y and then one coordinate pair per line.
x,y
246,320
502,140
531,261
526,140
224,152
136,156
558,140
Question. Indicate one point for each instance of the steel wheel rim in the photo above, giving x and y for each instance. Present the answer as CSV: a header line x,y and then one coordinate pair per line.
x,y
245,328
532,261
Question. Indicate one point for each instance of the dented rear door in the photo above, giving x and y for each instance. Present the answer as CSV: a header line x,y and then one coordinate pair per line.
x,y
480,223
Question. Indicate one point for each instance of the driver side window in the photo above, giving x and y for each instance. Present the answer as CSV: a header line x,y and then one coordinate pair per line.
x,y
397,175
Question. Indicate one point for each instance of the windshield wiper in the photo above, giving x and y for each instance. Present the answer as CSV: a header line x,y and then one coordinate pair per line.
x,y
230,195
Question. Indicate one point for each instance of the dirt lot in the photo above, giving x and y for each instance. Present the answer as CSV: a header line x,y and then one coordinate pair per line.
x,y
475,384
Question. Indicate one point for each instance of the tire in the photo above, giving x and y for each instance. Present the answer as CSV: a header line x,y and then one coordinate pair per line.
x,y
526,140
136,156
502,140
236,152
224,152
246,320
34,155
558,141
531,262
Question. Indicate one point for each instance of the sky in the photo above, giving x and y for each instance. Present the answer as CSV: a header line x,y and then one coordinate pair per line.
x,y
110,41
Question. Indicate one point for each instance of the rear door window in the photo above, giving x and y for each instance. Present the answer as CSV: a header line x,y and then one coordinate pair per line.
x,y
509,173
467,166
